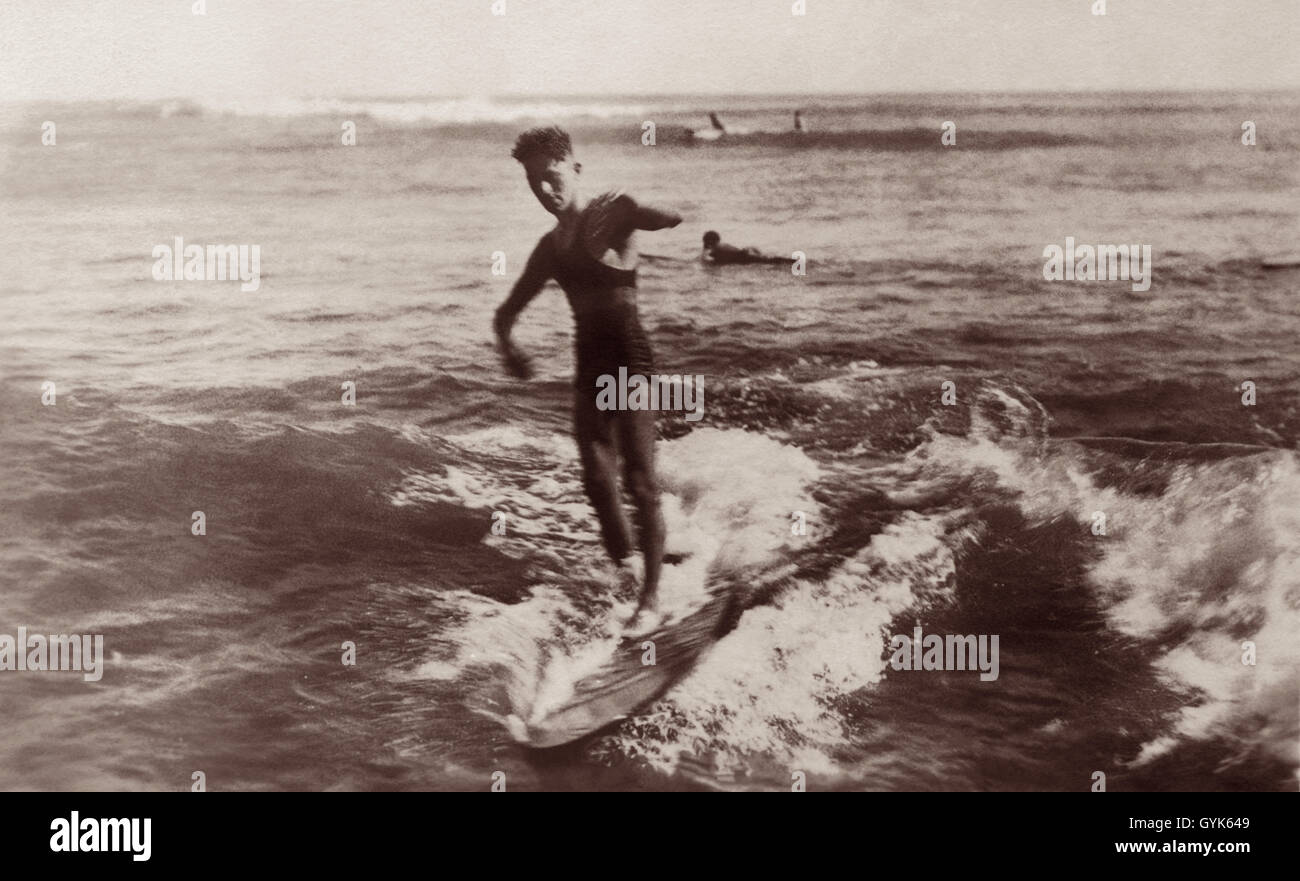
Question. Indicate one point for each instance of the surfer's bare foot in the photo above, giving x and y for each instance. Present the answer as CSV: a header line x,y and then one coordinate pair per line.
x,y
646,619
647,615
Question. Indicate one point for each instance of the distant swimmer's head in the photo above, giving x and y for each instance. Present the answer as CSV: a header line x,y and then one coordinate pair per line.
x,y
547,157
711,239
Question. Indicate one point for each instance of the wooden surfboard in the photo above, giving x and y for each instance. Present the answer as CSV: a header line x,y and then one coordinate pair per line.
x,y
627,682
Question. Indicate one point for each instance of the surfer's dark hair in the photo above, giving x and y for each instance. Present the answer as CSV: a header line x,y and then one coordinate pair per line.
x,y
550,142
711,238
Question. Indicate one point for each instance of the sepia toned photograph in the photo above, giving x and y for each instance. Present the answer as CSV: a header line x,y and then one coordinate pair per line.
x,y
649,395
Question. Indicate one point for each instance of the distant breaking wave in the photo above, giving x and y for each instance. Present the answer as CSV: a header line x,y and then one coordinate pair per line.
x,y
441,111
612,122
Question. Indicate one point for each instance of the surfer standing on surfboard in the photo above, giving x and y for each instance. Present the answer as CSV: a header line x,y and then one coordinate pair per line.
x,y
592,254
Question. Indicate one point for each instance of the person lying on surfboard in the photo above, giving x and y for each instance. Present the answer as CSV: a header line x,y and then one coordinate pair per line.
x,y
591,252
719,254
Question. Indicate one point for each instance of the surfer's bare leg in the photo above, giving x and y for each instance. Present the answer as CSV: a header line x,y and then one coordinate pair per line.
x,y
636,437
594,431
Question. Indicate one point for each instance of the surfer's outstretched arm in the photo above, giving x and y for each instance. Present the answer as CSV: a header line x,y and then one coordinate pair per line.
x,y
637,216
537,271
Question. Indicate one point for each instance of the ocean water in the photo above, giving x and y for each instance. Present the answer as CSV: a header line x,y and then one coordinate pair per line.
x,y
328,523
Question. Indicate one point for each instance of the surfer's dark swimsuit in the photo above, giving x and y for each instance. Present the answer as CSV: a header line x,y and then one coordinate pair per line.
x,y
607,331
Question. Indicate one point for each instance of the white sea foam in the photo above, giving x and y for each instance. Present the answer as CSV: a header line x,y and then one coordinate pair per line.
x,y
399,112
1212,559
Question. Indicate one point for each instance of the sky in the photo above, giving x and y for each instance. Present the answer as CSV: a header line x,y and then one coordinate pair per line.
x,y
148,49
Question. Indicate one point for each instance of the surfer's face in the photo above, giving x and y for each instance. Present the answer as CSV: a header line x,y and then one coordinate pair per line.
x,y
554,182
